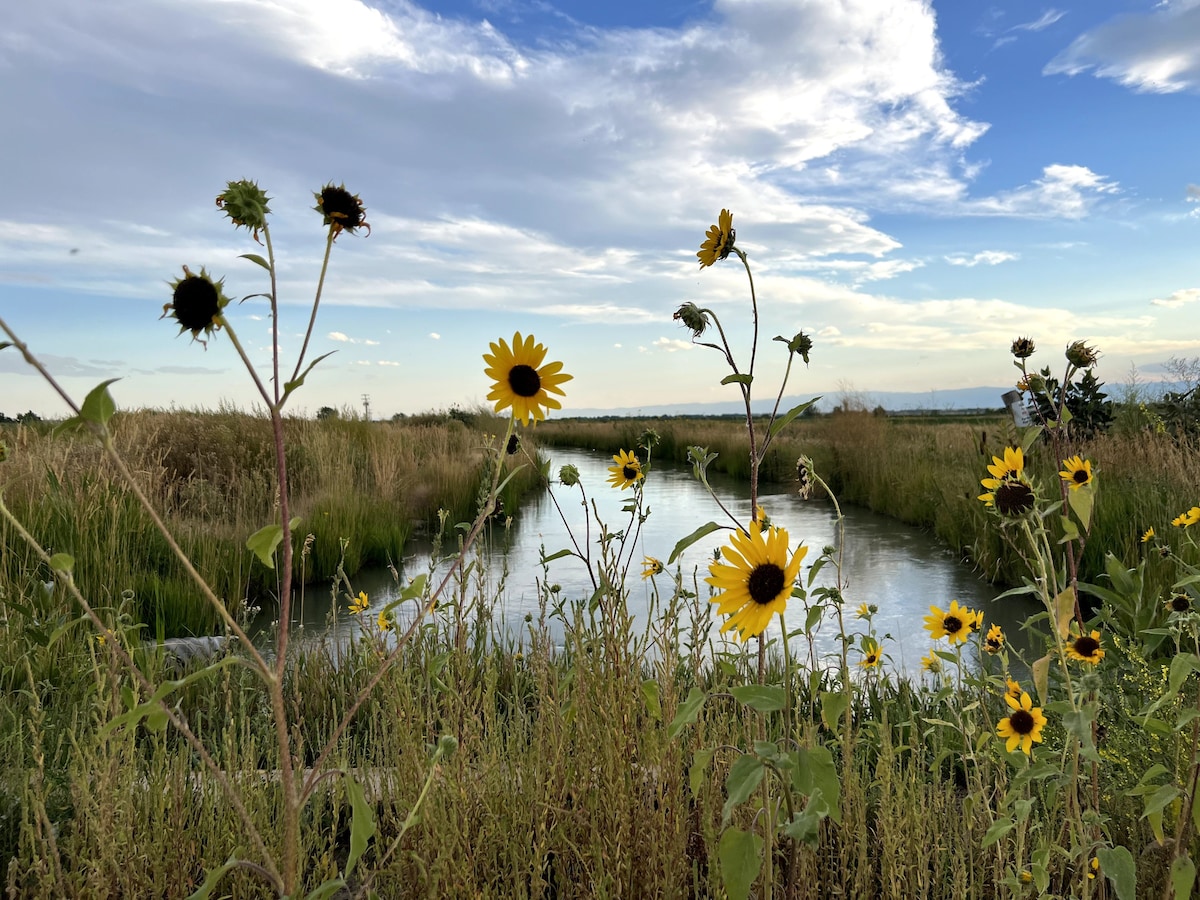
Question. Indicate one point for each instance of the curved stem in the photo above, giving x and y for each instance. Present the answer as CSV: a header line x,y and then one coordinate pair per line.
x,y
316,300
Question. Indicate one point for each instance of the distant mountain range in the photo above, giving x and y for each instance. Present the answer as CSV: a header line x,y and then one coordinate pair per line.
x,y
892,401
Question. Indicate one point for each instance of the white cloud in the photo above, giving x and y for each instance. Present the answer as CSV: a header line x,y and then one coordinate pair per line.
x,y
388,362
339,337
1045,20
1063,191
672,344
435,336
987,257
1155,52
371,343
1178,298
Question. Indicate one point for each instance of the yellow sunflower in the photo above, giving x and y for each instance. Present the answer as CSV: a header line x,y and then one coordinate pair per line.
x,y
1076,472
1023,726
1147,534
1011,466
756,581
932,663
384,623
651,567
1008,496
872,654
521,381
719,241
1086,648
1012,688
1184,520
627,471
994,641
359,604
957,623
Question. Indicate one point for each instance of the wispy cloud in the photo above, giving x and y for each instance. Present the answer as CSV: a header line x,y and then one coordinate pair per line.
x,y
983,257
1178,298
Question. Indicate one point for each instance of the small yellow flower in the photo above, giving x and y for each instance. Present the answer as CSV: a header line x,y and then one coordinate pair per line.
x,y
932,663
1187,519
1026,877
872,654
1147,534
101,640
651,567
359,604
1012,688
994,641
719,240
627,471
1095,868
1023,727
1011,466
384,623
957,623
864,611
1076,472
1086,648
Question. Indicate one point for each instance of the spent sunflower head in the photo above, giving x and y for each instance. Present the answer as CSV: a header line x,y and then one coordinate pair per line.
x,y
1081,355
1023,726
246,205
196,303
1011,497
993,642
1023,348
1178,602
651,567
957,623
1076,472
1086,648
340,209
804,469
627,471
754,579
513,445
521,381
719,240
693,317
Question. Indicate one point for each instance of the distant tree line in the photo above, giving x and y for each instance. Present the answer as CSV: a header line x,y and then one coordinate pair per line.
x,y
26,418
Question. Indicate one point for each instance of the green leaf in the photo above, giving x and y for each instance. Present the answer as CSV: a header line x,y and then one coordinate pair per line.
x,y
98,406
740,853
688,711
1041,677
1079,722
154,704
263,543
833,704
214,877
4,345
763,697
706,529
1070,531
745,775
558,555
738,379
1064,611
328,889
816,773
1118,867
1183,876
289,386
255,258
650,695
62,562
786,419
699,768
806,825
1081,504
999,829
362,822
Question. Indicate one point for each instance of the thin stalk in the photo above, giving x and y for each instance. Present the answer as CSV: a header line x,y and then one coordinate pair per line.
x,y
316,300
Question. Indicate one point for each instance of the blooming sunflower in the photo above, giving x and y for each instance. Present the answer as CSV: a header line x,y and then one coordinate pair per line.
x,y
863,611
1009,497
719,240
1186,519
756,579
1147,534
994,641
932,663
382,620
1011,466
627,471
1076,472
359,604
1086,648
520,379
872,654
957,623
651,567
196,303
1012,688
1023,726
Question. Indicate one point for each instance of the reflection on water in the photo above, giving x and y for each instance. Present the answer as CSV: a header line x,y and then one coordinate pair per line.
x,y
897,568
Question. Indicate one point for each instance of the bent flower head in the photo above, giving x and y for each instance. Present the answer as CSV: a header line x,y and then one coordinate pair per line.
x,y
196,303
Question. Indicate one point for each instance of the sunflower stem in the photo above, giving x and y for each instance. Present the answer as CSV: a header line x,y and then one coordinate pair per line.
x,y
312,319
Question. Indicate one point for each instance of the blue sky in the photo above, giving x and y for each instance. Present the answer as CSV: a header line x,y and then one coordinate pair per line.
x,y
916,184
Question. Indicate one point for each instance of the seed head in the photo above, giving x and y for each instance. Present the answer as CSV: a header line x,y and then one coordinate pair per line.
x,y
693,317
1023,347
1081,355
246,205
341,210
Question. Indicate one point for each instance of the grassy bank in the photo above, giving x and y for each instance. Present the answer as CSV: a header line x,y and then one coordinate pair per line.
x,y
360,490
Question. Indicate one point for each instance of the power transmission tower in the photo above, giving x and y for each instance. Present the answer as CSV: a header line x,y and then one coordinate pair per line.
x,y
366,398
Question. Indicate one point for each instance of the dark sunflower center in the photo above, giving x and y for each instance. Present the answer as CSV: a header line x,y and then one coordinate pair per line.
x,y
1080,476
513,443
1021,721
765,583
993,644
952,624
1086,645
630,473
342,206
1180,603
195,303
524,381
1013,498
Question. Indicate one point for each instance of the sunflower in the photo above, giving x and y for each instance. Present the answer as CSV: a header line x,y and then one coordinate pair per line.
x,y
521,381
1023,348
384,623
196,303
1011,466
651,567
1178,602
341,210
1186,519
359,604
1086,648
994,641
932,663
957,623
872,654
627,471
756,580
1009,497
1023,727
1012,688
719,241
863,611
1147,534
1076,472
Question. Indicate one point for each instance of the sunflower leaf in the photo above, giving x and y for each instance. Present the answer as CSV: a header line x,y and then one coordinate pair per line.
x,y
1117,865
1081,504
1041,676
740,853
833,704
289,386
566,551
1183,875
816,773
263,543
738,378
258,260
762,697
699,768
1064,610
745,775
786,419
999,829
62,562
703,531
688,711
362,822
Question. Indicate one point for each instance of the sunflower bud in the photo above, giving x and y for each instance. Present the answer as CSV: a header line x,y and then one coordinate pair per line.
x,y
693,317
1081,355
342,211
246,205
801,344
1023,347
196,303
569,476
648,439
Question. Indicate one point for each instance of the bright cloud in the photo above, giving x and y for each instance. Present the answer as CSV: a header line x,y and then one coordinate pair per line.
x,y
673,344
984,257
1178,298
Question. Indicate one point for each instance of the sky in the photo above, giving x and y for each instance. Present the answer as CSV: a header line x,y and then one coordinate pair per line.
x,y
915,184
